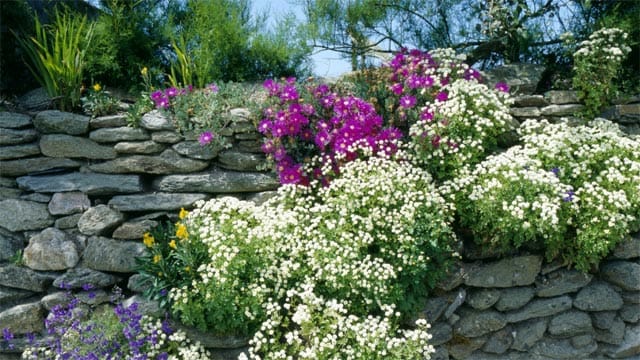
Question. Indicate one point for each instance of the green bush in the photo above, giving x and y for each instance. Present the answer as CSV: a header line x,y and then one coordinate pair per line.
x,y
572,191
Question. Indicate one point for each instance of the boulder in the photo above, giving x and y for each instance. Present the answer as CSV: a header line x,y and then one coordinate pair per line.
x,y
17,136
21,215
88,183
104,254
540,308
51,249
156,120
625,274
517,271
23,319
61,146
156,201
18,151
21,277
123,133
514,298
522,79
240,161
478,323
100,220
139,147
217,181
193,149
35,165
78,277
59,122
598,296
108,121
167,162
570,323
11,120
67,203
134,229
561,282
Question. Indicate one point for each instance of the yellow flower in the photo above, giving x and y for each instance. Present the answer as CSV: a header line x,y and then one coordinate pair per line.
x,y
97,87
181,231
144,71
187,269
148,239
183,213
172,244
157,258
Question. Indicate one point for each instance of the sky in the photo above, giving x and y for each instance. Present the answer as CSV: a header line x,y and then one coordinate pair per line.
x,y
325,63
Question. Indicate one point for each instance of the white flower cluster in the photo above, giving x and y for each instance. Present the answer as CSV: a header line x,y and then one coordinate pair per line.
x,y
562,180
339,253
463,128
607,43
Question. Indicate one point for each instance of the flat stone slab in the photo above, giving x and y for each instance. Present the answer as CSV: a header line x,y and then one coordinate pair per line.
x,y
19,151
66,146
218,181
561,282
518,271
154,202
17,136
168,162
20,277
32,165
104,254
540,308
123,133
88,183
59,122
21,215
11,120
625,274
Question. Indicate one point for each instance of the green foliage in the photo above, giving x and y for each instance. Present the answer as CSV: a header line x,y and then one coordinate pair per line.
x,y
597,64
571,191
99,102
57,56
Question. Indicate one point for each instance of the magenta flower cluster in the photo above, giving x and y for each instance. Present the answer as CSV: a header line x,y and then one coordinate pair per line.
x,y
322,124
162,99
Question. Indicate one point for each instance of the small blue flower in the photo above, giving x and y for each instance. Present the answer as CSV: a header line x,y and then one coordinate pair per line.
x,y
569,196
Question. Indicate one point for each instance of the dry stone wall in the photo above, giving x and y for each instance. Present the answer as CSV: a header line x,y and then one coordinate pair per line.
x,y
77,193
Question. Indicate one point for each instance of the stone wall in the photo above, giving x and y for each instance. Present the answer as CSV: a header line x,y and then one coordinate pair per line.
x,y
77,193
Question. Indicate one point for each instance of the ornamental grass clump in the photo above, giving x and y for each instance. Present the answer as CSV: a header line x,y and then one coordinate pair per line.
x,y
571,191
322,266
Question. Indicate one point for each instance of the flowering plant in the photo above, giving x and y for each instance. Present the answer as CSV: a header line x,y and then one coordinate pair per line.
x,y
596,64
316,126
78,330
571,190
98,101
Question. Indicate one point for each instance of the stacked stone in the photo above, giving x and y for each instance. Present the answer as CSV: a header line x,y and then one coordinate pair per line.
x,y
77,194
556,104
520,308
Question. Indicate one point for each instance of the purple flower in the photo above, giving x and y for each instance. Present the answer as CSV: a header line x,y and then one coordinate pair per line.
x,y
555,171
171,92
265,126
289,93
472,74
87,287
213,88
442,96
426,115
397,88
162,103
268,147
156,95
435,141
502,86
407,101
280,153
205,138
291,175
272,86
569,196
322,139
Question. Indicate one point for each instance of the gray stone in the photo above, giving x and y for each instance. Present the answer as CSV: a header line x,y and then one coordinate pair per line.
x,y
603,319
23,319
156,201
21,277
9,295
167,162
462,349
514,298
434,308
77,277
500,341
561,282
58,122
631,297
560,97
570,323
57,298
614,334
194,150
562,349
529,101
242,113
88,183
166,137
540,308
51,250
108,121
235,160
20,215
581,340
156,120
630,345
454,277
209,340
94,297
521,78
261,197
134,229
630,313
67,222
455,301
36,100
441,333
139,283
18,151
100,220
21,167
10,120
61,146
624,113
517,271
217,181
37,197
622,273
253,146
15,137
561,110
477,323
9,193
441,353
483,299
525,112
10,244
628,249
598,296
527,333
67,203
145,306
139,147
8,182
248,136
123,133
106,254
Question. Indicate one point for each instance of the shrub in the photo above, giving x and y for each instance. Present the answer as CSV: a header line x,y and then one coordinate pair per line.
x,y
57,56
98,102
597,63
571,190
